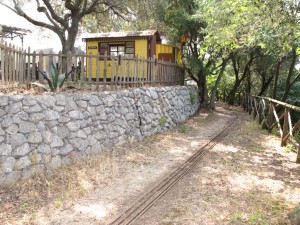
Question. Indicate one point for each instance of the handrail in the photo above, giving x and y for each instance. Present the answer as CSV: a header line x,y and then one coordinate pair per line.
x,y
297,109
269,118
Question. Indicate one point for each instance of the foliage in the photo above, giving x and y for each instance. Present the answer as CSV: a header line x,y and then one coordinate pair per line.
x,y
293,98
297,135
58,80
162,121
64,17
183,128
192,98
142,15
268,27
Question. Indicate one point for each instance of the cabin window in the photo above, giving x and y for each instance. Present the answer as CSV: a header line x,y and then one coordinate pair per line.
x,y
129,50
116,50
103,47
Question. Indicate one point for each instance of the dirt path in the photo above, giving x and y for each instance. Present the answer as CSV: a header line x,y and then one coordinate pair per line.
x,y
246,179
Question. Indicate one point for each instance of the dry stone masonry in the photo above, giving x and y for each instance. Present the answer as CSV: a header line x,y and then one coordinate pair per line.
x,y
40,133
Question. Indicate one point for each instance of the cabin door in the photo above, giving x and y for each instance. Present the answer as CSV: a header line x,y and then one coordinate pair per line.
x,y
167,57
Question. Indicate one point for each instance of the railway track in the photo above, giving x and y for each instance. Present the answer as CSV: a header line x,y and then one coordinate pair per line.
x,y
145,202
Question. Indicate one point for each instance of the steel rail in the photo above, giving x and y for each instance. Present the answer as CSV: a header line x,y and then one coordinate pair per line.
x,y
145,202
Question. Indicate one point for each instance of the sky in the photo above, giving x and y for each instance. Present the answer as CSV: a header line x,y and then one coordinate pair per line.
x,y
38,39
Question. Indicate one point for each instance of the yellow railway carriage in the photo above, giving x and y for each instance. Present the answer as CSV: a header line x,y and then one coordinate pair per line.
x,y
131,45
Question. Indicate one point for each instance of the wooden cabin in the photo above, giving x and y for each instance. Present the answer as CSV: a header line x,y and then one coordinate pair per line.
x,y
130,45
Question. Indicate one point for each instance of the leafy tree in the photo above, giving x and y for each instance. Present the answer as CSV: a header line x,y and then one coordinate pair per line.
x,y
271,27
64,17
142,15
186,29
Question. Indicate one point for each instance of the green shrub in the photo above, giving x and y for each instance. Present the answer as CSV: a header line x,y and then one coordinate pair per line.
x,y
297,135
162,121
182,128
192,97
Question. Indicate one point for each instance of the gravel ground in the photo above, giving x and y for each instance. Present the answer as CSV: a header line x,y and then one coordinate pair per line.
x,y
245,179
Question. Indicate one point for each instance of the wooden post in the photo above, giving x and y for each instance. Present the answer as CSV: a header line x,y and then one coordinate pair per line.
x,y
23,64
117,73
136,61
98,68
17,65
34,68
51,62
112,79
2,58
254,108
105,70
28,66
40,66
70,65
271,117
9,64
123,73
90,63
82,71
285,127
6,65
144,76
60,62
298,155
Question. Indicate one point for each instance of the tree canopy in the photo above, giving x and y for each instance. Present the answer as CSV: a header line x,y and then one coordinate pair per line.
x,y
228,47
64,17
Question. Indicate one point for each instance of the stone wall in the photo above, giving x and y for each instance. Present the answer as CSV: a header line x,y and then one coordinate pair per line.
x,y
40,133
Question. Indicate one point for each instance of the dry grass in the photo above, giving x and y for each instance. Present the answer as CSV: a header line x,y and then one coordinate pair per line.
x,y
246,179
66,184
78,179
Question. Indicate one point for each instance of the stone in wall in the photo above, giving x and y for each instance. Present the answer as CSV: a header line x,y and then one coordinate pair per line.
x,y
40,133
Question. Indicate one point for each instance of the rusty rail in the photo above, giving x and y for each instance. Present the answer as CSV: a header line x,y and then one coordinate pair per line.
x,y
275,114
144,203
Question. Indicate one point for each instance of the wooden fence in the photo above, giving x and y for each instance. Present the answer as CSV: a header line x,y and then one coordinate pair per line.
x,y
23,66
275,114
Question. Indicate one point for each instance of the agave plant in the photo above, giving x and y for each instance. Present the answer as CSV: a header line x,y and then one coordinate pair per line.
x,y
57,79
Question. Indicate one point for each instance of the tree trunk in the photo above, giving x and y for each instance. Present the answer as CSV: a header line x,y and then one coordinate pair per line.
x,y
288,84
238,81
202,89
215,88
265,85
277,69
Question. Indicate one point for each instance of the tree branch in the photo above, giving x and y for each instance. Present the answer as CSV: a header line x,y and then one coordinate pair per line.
x,y
20,12
57,18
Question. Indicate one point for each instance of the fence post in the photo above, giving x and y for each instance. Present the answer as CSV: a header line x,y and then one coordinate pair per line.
x,y
2,54
98,67
254,105
112,76
82,69
27,70
90,67
6,70
69,65
285,127
298,155
105,69
40,66
271,117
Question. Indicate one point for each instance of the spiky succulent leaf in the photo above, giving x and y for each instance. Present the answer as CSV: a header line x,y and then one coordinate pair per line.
x,y
66,75
61,80
54,74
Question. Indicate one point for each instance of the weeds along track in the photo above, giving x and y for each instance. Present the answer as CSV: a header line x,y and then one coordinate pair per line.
x,y
140,206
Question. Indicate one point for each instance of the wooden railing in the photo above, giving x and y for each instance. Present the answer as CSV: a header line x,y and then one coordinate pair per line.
x,y
21,66
272,114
